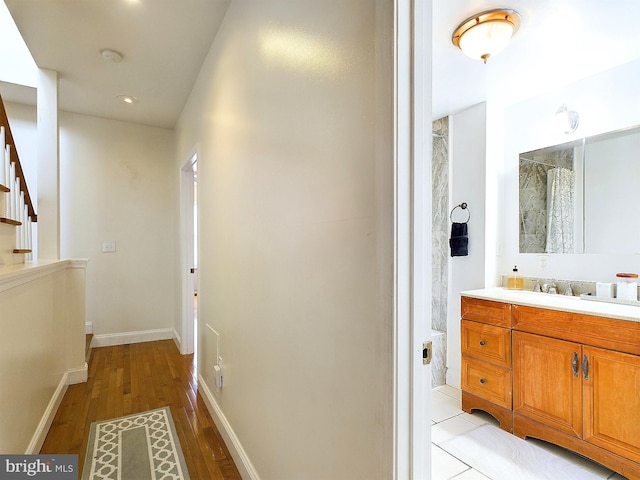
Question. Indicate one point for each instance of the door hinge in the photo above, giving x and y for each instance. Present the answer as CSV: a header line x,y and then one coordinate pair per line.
x,y
427,352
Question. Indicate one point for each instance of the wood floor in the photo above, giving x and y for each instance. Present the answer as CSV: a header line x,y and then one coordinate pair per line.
x,y
128,379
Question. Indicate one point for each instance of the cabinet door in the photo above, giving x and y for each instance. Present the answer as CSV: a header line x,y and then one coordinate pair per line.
x,y
547,381
612,401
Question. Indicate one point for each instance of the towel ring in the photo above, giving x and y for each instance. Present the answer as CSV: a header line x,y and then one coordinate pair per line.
x,y
462,206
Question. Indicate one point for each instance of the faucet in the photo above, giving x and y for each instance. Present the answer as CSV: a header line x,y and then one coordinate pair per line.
x,y
569,291
550,287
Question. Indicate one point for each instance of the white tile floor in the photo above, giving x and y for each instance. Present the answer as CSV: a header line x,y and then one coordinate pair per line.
x,y
449,420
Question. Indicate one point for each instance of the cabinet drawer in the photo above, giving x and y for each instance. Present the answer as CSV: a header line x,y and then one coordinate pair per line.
x,y
487,381
485,311
486,342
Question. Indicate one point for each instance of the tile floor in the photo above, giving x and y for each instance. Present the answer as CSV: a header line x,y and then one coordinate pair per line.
x,y
448,420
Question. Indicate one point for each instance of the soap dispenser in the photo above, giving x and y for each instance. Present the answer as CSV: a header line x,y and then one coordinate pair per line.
x,y
514,280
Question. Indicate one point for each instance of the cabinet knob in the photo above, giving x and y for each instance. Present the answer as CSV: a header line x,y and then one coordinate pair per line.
x,y
483,381
482,343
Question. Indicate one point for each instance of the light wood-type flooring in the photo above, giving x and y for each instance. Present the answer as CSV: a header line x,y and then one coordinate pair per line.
x,y
127,379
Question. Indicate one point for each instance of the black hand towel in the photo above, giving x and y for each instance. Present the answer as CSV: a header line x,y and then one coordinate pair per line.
x,y
459,241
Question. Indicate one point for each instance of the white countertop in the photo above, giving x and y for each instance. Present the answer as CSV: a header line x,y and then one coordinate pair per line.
x,y
556,302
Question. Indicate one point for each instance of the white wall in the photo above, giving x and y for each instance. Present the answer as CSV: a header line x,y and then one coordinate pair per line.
x,y
283,116
41,347
606,102
116,183
467,184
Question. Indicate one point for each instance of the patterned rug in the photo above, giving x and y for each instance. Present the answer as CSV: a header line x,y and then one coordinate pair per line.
x,y
140,446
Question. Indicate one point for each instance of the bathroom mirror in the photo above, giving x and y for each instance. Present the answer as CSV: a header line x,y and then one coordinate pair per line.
x,y
582,196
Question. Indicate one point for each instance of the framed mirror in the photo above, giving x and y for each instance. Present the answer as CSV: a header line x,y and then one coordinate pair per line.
x,y
582,196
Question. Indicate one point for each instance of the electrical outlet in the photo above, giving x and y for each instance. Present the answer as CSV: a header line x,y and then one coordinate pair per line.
x,y
108,246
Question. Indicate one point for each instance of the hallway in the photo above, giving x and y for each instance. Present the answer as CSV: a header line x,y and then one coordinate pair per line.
x,y
127,379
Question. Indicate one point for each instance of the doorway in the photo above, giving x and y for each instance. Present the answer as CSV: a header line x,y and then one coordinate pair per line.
x,y
189,264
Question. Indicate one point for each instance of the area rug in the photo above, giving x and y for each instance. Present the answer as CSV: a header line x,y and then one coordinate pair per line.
x,y
502,456
143,446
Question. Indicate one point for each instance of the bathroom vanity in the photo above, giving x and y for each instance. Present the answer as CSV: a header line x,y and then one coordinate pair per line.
x,y
556,368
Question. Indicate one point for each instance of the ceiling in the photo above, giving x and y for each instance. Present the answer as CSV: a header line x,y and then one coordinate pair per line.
x,y
164,43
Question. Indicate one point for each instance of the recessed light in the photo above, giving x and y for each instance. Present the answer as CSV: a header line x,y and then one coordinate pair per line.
x,y
111,55
128,99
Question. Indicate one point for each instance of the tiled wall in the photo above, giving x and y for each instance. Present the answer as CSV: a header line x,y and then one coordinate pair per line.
x,y
440,245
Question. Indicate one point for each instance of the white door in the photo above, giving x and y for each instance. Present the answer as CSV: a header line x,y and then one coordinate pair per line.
x,y
189,266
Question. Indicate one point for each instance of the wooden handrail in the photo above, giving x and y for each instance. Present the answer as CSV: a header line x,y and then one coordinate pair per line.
x,y
8,138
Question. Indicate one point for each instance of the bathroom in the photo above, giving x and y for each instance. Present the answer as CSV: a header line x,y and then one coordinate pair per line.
x,y
486,141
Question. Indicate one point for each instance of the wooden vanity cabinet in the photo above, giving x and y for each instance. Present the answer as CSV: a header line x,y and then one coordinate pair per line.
x,y
575,383
571,391
486,359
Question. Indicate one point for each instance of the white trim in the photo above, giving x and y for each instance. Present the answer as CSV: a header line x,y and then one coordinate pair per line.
x,y
412,242
110,339
15,275
240,457
402,241
421,241
187,220
78,374
70,377
88,328
47,418
176,338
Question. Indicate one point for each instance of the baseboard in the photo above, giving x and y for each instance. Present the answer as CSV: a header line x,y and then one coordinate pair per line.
x,y
177,340
78,375
453,377
232,442
110,339
47,418
70,377
88,328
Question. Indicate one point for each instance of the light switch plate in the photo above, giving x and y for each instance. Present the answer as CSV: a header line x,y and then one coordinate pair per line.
x,y
108,246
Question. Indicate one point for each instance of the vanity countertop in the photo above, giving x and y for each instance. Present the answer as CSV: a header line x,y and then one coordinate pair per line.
x,y
556,302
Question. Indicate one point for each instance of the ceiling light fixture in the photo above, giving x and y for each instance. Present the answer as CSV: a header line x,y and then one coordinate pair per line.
x,y
129,99
483,35
111,55
567,120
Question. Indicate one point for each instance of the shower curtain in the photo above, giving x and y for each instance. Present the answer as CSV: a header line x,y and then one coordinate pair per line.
x,y
560,189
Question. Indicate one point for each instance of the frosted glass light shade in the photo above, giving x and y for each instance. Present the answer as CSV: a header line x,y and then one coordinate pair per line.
x,y
486,39
486,34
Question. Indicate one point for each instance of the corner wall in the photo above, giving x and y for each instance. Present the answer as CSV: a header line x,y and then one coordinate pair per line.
x,y
467,184
291,277
116,184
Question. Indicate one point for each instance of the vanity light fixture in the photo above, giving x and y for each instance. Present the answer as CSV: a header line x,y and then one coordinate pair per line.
x,y
483,35
567,120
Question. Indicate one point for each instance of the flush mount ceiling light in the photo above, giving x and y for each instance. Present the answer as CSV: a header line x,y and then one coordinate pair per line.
x,y
128,99
483,35
111,55
567,120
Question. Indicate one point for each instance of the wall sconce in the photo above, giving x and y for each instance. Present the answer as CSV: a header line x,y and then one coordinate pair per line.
x,y
487,33
567,120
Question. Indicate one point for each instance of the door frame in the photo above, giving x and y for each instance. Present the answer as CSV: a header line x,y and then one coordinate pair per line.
x,y
413,244
187,257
